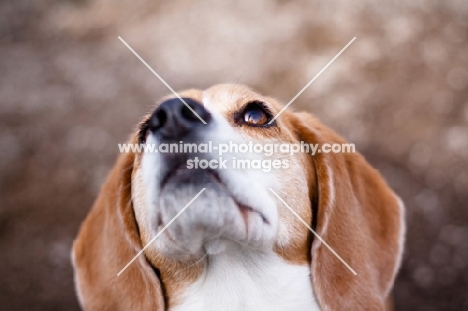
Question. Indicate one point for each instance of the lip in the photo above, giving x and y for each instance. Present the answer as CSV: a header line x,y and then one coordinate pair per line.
x,y
245,210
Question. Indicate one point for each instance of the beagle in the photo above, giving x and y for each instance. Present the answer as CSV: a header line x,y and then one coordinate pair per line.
x,y
237,246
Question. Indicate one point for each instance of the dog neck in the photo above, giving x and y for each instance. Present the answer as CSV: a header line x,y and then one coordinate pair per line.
x,y
246,279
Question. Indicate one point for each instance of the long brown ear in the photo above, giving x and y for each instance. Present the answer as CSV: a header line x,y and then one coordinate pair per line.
x,y
107,241
361,218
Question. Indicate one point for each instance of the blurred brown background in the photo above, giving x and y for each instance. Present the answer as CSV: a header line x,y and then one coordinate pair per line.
x,y
70,91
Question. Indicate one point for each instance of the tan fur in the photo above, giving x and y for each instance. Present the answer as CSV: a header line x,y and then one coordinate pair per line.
x,y
358,216
107,240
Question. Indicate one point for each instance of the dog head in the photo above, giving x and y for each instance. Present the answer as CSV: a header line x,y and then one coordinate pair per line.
x,y
198,205
237,205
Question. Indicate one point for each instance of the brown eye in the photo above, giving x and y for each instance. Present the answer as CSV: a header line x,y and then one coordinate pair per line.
x,y
255,116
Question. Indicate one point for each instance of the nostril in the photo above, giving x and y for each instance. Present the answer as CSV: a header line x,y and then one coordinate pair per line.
x,y
162,118
159,120
188,114
174,119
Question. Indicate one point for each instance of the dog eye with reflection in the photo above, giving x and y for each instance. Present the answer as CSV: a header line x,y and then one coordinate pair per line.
x,y
255,114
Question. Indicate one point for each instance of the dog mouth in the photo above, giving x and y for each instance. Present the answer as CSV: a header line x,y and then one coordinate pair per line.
x,y
182,176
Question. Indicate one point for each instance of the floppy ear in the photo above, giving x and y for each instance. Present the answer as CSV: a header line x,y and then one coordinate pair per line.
x,y
107,241
360,217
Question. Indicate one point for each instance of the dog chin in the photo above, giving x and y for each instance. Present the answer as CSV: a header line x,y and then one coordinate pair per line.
x,y
211,224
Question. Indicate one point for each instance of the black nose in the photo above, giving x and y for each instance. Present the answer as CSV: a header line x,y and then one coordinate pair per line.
x,y
173,119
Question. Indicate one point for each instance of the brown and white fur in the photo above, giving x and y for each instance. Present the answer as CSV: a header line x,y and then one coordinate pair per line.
x,y
237,247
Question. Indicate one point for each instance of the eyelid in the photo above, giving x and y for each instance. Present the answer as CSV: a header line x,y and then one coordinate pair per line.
x,y
260,104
